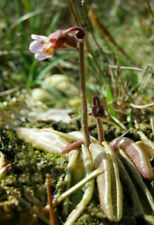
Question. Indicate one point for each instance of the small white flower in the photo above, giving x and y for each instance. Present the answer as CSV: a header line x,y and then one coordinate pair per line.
x,y
42,47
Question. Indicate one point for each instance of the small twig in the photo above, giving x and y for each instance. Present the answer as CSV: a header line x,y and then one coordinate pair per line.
x,y
141,106
77,186
130,68
8,92
145,139
117,122
51,211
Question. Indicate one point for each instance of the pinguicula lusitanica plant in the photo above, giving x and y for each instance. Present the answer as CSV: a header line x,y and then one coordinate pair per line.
x,y
99,155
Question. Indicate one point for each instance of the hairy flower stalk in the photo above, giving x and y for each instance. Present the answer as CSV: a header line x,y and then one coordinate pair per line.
x,y
44,47
84,117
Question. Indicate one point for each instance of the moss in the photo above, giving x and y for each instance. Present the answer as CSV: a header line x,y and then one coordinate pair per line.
x,y
26,177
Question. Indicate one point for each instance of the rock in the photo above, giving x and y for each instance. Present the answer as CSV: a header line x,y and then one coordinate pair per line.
x,y
39,94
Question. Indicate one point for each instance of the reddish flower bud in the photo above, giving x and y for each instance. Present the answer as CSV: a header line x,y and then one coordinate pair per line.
x,y
97,108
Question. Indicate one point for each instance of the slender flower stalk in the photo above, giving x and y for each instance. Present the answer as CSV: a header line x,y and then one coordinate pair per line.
x,y
100,130
84,116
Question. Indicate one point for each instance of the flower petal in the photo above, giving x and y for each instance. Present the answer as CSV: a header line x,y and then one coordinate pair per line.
x,y
35,46
41,56
38,37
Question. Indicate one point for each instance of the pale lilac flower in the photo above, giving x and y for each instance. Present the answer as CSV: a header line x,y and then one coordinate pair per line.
x,y
43,47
